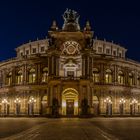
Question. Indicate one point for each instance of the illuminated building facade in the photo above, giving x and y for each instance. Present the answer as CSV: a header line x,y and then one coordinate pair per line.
x,y
70,73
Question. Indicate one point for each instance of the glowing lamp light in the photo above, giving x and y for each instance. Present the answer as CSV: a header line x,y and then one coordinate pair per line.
x,y
107,100
4,101
134,101
32,100
122,100
63,104
76,104
17,100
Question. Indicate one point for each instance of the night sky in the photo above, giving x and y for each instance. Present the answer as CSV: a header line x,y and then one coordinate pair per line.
x,y
21,21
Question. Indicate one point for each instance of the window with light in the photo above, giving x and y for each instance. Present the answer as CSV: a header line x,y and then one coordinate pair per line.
x,y
130,79
9,78
45,75
32,76
138,80
108,76
120,77
95,75
19,77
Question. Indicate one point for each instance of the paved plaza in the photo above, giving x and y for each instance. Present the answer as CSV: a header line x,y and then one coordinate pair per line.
x,y
70,129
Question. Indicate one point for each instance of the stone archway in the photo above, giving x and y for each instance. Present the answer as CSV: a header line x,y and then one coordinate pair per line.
x,y
70,102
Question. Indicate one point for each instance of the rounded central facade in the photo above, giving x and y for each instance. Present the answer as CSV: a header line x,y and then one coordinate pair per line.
x,y
70,74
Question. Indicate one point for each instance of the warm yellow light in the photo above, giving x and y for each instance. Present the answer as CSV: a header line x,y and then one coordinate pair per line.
x,y
122,100
17,100
76,104
107,100
4,101
134,101
63,104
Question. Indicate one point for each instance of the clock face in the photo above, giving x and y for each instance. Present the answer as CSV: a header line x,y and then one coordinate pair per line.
x,y
70,48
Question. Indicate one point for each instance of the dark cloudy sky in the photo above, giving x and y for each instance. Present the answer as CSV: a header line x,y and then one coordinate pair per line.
x,y
24,20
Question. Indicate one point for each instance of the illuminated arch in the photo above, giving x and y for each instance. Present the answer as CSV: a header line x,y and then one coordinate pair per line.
x,y
70,94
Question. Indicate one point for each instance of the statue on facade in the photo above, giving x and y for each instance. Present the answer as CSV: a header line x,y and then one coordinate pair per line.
x,y
71,20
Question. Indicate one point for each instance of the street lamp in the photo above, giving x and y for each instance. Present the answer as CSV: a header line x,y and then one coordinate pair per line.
x,y
17,102
133,103
122,102
32,100
31,105
5,102
107,100
108,106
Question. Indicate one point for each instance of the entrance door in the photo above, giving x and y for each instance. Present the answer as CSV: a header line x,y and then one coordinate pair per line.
x,y
70,107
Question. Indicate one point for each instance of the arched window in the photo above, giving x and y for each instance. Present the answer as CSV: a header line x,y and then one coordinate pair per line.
x,y
45,75
19,77
32,76
130,79
138,80
95,75
120,77
9,78
108,76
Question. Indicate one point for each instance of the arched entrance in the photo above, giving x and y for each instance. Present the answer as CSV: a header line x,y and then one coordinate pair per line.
x,y
70,102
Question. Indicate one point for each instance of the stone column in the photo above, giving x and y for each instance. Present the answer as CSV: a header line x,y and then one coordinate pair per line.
x,y
88,65
52,62
25,74
102,106
135,77
115,74
22,112
126,76
12,106
102,73
115,110
57,66
38,104
4,78
50,65
13,76
92,62
38,73
83,66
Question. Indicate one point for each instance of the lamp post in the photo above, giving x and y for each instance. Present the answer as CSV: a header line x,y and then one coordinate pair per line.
x,y
31,105
108,103
133,103
5,102
122,102
17,103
